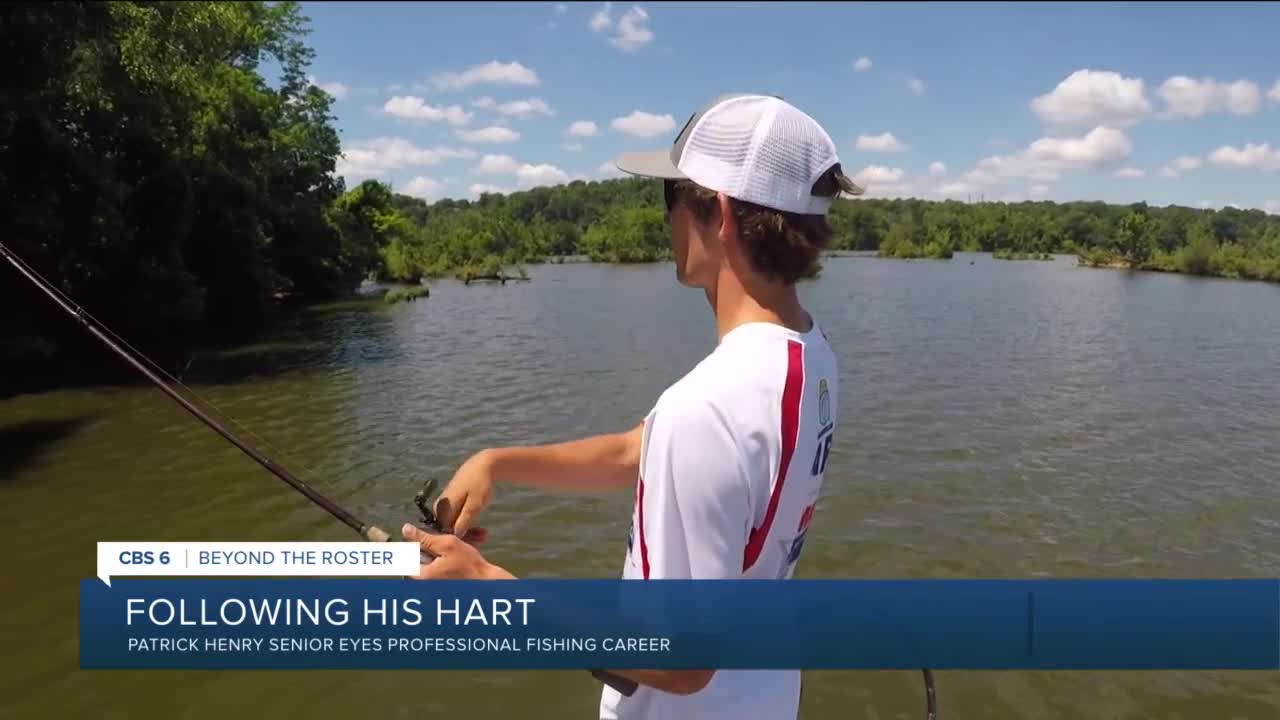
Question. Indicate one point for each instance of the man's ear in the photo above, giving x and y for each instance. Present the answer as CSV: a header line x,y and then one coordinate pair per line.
x,y
728,223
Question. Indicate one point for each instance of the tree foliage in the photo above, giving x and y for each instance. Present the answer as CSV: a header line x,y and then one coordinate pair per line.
x,y
153,171
621,221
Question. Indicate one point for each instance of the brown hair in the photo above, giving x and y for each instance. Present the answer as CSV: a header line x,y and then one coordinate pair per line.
x,y
780,245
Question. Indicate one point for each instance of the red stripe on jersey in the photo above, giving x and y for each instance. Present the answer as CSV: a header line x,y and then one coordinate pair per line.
x,y
805,517
644,549
790,429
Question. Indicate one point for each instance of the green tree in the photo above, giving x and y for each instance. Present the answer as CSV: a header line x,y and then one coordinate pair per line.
x,y
1132,241
152,173
1197,256
627,235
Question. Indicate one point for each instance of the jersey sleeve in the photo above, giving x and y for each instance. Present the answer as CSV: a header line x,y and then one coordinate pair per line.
x,y
695,501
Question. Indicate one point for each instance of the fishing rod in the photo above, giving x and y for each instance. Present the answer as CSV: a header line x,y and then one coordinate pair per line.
x,y
372,533
930,696
369,532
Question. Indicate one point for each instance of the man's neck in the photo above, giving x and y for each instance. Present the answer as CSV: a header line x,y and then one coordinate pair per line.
x,y
735,305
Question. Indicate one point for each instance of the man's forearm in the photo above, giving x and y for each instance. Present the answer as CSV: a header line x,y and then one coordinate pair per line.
x,y
602,462
677,682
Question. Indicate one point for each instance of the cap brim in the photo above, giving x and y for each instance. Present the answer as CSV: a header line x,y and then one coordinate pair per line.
x,y
652,164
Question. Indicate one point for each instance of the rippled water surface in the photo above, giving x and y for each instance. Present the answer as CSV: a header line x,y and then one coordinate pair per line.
x,y
1001,420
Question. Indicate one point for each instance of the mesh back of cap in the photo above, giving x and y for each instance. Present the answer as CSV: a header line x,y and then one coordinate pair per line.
x,y
761,150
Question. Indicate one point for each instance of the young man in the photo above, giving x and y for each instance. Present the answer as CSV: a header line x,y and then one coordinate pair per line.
x,y
728,464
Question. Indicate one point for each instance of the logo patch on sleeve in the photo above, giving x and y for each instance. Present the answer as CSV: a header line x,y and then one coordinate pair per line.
x,y
796,546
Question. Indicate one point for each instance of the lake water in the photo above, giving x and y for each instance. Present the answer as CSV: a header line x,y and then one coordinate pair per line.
x,y
1023,419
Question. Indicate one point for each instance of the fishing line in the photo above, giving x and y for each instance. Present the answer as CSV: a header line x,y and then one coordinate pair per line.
x,y
370,532
153,371
80,311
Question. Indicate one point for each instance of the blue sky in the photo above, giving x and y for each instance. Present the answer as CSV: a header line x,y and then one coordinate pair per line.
x,y
1093,101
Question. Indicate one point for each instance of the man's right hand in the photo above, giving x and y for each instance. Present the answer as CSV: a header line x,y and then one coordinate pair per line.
x,y
594,464
467,494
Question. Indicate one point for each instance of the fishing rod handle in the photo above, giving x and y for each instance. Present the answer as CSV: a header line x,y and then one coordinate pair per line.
x,y
624,686
373,533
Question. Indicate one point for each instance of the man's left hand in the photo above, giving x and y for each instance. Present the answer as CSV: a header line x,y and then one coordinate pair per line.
x,y
455,559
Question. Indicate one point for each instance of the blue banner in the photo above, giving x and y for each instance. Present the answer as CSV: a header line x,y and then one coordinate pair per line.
x,y
578,624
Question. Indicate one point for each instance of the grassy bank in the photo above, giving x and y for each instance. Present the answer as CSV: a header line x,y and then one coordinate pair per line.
x,y
1227,261
1006,254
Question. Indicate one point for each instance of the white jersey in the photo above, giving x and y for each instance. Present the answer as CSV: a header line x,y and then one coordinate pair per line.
x,y
732,463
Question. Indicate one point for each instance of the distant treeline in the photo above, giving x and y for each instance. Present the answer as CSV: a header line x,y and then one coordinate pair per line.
x,y
622,221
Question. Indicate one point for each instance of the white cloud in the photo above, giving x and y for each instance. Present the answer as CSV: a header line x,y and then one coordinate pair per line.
x,y
492,134
890,190
872,175
884,142
609,170
644,125
536,175
600,20
582,128
958,188
862,63
1130,172
560,9
1047,158
520,108
572,147
1244,98
336,89
409,107
484,103
375,157
1089,98
1272,206
937,168
1180,165
526,175
915,85
1251,157
423,187
1205,204
633,30
1274,93
1187,97
1039,191
630,32
497,165
481,188
491,73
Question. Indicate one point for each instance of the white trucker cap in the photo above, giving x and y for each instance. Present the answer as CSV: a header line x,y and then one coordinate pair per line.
x,y
755,148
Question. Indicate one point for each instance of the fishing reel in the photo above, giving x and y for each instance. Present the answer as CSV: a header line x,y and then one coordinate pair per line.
x,y
426,501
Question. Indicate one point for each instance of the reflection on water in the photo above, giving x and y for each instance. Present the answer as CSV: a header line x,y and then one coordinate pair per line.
x,y
1002,419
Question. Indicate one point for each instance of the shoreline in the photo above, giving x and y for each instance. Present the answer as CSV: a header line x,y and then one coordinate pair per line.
x,y
286,314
